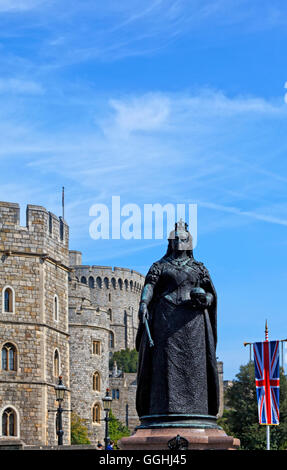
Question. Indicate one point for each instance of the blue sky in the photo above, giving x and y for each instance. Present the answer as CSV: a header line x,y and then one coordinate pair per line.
x,y
157,101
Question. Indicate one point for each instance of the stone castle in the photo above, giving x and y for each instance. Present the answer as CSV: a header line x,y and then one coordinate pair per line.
x,y
59,317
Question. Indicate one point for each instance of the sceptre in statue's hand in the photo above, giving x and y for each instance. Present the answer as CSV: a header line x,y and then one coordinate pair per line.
x,y
144,316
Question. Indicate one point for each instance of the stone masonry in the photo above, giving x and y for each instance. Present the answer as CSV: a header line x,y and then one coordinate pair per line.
x,y
34,266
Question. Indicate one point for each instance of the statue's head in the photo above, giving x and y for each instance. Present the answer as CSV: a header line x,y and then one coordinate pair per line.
x,y
180,239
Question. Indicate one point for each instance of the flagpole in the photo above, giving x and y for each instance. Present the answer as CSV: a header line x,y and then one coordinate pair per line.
x,y
267,427
261,352
63,203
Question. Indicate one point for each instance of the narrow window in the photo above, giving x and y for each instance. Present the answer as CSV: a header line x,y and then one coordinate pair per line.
x,y
127,415
97,347
96,413
61,229
117,394
113,281
126,284
120,282
83,280
91,282
99,282
50,224
112,340
106,281
96,382
56,308
110,314
9,422
126,328
56,363
8,300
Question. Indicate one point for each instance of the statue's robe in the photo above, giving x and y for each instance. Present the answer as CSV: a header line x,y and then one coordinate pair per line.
x,y
179,374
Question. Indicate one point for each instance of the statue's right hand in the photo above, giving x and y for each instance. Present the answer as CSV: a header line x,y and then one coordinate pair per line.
x,y
143,312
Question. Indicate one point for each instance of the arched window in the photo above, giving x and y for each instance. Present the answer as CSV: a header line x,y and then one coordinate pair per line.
x,y
96,382
56,363
91,282
83,280
120,282
8,300
113,281
56,308
9,357
126,284
9,422
112,340
107,283
131,285
99,282
96,413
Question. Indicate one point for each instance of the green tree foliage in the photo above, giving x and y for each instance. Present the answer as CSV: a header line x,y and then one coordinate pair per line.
x,y
79,432
126,360
240,418
116,429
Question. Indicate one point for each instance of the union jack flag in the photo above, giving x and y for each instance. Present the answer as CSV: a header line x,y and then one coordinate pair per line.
x,y
266,360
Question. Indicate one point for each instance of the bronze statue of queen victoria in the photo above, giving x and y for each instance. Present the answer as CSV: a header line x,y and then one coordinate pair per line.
x,y
177,375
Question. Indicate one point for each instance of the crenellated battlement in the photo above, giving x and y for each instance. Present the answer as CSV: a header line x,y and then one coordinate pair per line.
x,y
9,214
44,231
106,276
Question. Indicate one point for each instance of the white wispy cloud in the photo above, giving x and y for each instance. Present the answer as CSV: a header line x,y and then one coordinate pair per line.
x,y
70,32
163,147
242,213
145,113
20,86
19,5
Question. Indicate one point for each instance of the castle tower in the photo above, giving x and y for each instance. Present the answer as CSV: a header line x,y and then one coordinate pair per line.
x,y
89,358
34,338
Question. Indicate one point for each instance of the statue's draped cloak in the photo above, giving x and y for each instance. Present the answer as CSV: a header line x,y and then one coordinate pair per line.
x,y
179,374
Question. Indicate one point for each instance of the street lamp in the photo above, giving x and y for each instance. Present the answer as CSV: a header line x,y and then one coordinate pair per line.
x,y
60,393
107,401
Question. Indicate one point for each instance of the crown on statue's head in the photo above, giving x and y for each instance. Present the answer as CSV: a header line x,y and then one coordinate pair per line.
x,y
181,226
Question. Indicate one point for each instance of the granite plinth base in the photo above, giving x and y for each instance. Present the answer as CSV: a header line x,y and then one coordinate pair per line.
x,y
174,432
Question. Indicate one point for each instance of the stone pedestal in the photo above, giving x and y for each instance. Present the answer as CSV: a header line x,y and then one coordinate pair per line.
x,y
192,433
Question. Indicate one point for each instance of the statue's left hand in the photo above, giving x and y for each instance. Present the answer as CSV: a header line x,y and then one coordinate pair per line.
x,y
202,300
